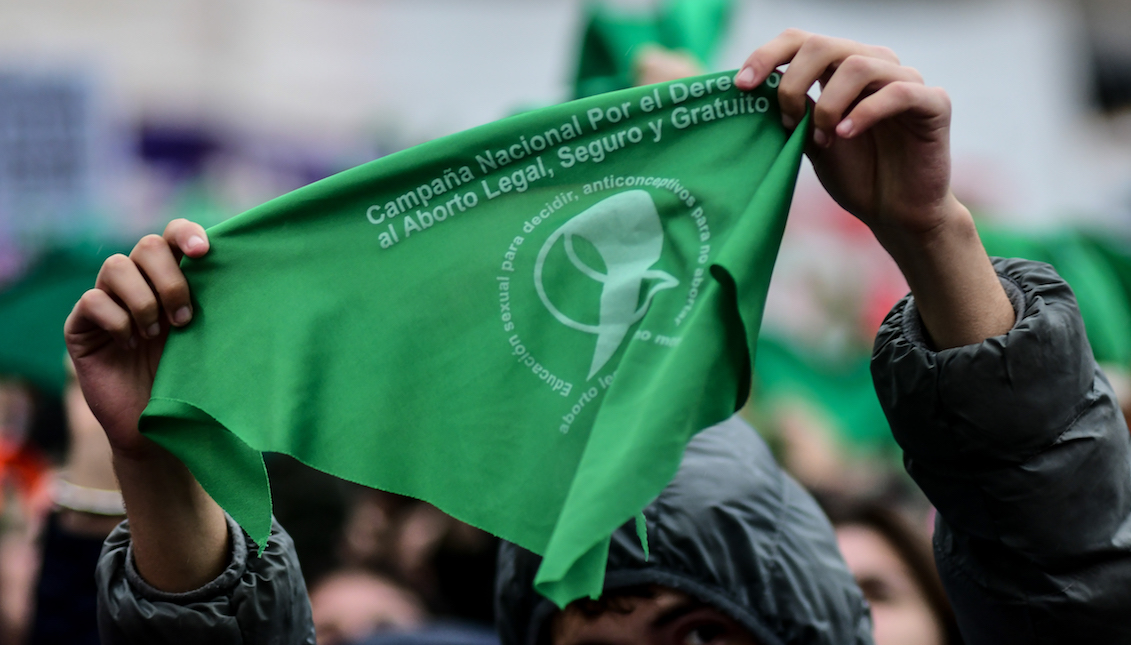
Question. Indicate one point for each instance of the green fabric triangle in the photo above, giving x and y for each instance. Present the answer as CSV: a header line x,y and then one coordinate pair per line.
x,y
642,533
523,324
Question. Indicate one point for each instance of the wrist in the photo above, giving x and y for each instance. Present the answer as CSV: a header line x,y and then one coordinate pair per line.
x,y
179,534
149,471
140,452
947,228
957,292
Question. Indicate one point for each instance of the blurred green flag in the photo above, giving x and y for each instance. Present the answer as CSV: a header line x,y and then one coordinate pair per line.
x,y
613,37
523,324
842,389
1096,267
34,308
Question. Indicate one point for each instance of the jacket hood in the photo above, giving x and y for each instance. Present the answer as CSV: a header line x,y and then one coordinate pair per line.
x,y
731,529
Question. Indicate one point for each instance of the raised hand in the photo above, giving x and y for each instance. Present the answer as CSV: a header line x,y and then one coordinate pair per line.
x,y
881,137
881,148
117,330
115,335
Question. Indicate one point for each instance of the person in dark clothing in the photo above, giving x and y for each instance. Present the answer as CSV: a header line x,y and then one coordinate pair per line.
x,y
87,508
984,372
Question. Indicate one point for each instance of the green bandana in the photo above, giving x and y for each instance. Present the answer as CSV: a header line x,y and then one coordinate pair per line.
x,y
523,324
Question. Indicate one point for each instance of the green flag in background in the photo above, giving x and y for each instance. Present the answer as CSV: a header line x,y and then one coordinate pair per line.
x,y
34,308
841,389
523,324
613,37
1092,266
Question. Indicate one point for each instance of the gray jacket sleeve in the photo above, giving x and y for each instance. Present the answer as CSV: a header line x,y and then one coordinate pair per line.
x,y
1019,443
255,601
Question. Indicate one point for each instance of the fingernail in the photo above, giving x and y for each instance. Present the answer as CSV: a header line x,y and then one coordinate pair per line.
x,y
182,316
845,128
195,243
745,76
132,342
788,122
820,138
153,330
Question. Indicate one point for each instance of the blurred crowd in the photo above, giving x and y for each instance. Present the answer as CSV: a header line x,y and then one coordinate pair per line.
x,y
376,563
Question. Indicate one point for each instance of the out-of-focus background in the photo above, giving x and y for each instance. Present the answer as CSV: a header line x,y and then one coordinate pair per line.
x,y
117,116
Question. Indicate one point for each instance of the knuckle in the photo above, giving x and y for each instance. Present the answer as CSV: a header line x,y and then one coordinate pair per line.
x,y
791,90
902,90
823,114
886,53
120,326
145,309
943,98
175,224
914,74
175,292
116,262
793,33
91,297
858,64
819,43
149,244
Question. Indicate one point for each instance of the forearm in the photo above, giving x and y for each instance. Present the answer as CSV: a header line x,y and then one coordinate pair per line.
x,y
180,536
957,292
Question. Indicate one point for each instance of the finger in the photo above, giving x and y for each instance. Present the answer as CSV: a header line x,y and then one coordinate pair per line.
x,y
855,79
186,238
812,61
155,258
123,280
929,103
760,64
96,310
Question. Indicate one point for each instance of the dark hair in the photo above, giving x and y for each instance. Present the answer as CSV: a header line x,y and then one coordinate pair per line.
x,y
618,601
613,600
911,545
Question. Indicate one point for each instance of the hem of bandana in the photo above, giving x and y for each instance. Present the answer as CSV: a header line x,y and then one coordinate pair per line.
x,y
231,471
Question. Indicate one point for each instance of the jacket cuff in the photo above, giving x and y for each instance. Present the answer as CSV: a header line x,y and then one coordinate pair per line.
x,y
916,333
1005,398
219,586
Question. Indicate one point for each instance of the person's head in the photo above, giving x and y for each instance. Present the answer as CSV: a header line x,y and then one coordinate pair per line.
x,y
351,604
738,553
892,562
